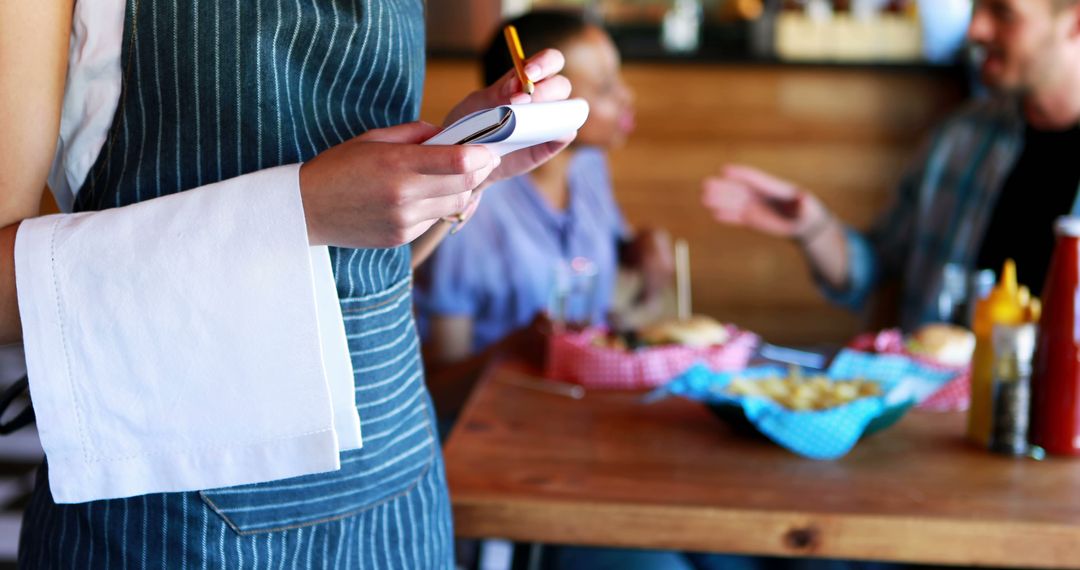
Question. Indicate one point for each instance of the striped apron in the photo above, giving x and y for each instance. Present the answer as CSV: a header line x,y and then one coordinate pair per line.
x,y
213,90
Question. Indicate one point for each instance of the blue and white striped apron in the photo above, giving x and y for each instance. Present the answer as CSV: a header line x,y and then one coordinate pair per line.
x,y
212,90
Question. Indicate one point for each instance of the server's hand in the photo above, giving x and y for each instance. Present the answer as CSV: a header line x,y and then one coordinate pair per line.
x,y
543,70
384,189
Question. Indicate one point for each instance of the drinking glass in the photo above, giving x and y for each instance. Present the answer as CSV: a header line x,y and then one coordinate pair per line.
x,y
572,298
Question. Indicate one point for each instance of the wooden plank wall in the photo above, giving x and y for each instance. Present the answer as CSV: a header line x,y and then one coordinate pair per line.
x,y
844,132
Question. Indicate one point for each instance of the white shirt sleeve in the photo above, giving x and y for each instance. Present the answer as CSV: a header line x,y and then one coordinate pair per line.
x,y
183,343
91,94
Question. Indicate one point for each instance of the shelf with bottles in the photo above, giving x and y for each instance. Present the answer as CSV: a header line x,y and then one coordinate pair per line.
x,y
804,31
652,12
871,30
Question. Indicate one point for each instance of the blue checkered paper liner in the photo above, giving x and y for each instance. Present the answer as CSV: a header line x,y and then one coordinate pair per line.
x,y
826,434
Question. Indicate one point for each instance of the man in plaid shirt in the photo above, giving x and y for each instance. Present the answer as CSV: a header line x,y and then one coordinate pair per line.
x,y
986,186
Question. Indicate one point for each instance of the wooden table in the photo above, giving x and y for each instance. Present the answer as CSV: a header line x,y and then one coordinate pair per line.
x,y
608,470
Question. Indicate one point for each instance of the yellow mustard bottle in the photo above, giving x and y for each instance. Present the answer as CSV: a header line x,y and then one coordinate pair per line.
x,y
1003,306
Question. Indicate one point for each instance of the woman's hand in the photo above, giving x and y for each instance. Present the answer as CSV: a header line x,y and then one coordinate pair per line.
x,y
543,70
383,189
650,253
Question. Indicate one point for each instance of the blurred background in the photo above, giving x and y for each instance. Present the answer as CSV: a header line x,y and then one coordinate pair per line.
x,y
833,94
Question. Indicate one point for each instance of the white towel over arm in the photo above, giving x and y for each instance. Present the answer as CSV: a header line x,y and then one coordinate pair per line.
x,y
183,343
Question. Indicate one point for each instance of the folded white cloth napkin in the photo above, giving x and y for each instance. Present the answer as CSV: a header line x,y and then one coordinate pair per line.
x,y
187,342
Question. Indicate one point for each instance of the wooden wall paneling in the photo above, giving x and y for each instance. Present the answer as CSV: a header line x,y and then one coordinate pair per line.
x,y
461,25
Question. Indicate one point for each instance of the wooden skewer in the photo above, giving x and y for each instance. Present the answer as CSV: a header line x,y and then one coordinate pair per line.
x,y
682,278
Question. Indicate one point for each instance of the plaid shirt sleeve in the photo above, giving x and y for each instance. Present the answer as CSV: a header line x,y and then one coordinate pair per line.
x,y
880,253
862,273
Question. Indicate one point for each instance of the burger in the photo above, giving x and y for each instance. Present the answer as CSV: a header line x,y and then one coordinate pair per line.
x,y
697,332
949,345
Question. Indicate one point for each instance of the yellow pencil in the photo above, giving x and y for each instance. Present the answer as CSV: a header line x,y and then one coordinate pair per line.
x,y
518,55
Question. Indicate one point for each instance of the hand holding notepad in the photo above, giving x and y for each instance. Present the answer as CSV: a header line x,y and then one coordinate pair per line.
x,y
507,128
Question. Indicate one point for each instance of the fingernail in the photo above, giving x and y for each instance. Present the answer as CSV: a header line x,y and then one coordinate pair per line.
x,y
533,71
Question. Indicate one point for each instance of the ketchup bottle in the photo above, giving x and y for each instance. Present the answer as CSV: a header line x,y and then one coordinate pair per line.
x,y
1055,382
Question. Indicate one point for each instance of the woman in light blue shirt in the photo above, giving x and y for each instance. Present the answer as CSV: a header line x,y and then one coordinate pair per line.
x,y
484,286
499,270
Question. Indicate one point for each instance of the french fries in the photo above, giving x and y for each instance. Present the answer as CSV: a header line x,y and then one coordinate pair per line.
x,y
799,393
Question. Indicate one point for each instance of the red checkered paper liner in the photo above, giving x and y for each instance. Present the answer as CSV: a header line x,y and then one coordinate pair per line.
x,y
953,396
572,357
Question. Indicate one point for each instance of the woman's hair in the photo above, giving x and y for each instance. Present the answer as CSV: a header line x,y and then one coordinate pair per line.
x,y
537,30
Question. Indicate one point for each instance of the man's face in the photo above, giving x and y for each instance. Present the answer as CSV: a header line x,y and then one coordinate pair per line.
x,y
1023,42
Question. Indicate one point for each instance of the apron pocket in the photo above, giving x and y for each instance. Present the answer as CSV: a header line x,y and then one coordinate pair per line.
x,y
396,422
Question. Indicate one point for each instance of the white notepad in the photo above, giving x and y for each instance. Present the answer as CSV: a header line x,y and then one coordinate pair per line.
x,y
507,128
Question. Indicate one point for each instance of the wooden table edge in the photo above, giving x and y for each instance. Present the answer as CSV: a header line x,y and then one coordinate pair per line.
x,y
836,535
923,540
